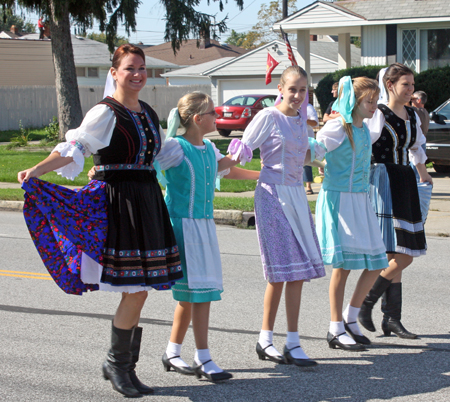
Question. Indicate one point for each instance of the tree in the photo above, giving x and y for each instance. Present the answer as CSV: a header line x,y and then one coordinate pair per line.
x,y
101,37
247,40
268,15
182,21
8,19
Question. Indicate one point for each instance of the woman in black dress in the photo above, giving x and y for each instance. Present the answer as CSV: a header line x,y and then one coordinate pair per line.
x,y
394,195
134,249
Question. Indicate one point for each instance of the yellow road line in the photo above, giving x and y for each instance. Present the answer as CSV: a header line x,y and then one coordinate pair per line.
x,y
29,275
22,272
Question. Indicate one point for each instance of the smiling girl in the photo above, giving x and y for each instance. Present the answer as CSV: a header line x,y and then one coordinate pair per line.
x,y
347,227
394,195
288,242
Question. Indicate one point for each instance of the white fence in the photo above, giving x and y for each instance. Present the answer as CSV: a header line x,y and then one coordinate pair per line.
x,y
35,106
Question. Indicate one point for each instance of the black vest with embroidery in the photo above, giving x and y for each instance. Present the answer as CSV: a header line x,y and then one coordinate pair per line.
x,y
134,141
395,140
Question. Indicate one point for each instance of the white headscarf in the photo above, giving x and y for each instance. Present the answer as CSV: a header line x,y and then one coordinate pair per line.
x,y
384,96
110,85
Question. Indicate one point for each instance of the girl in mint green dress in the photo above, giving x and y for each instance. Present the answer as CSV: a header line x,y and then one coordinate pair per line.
x,y
346,224
192,164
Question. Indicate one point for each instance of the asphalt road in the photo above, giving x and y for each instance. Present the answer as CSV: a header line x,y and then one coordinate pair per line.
x,y
53,344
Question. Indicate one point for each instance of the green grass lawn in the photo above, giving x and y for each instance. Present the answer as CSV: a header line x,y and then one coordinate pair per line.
x,y
36,134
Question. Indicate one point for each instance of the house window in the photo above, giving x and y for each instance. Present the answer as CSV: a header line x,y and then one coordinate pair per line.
x,y
434,48
81,71
92,72
149,73
158,72
409,48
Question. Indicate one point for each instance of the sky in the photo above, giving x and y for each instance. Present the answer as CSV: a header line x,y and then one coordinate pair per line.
x,y
151,25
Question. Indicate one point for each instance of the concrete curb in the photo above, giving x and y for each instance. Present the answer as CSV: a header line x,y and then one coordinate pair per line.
x,y
221,217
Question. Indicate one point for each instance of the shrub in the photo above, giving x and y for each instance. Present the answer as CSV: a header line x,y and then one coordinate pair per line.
x,y
51,133
323,89
20,140
436,83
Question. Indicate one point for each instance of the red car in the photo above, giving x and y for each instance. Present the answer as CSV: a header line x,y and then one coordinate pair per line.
x,y
236,113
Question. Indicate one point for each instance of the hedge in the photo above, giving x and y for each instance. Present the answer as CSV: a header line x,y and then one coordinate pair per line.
x,y
435,82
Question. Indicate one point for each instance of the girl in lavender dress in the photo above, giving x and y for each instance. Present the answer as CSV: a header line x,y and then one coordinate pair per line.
x,y
289,248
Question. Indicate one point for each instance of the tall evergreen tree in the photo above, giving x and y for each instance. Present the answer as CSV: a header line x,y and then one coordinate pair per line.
x,y
183,21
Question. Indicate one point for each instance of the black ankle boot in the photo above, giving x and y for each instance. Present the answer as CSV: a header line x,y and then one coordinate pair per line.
x,y
117,365
392,309
135,349
365,314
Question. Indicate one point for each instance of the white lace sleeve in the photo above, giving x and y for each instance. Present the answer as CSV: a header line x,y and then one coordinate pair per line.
x,y
219,156
416,152
171,154
375,125
93,134
331,136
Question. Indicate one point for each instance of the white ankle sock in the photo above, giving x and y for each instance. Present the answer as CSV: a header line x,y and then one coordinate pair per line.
x,y
336,328
292,341
351,315
265,339
203,355
174,349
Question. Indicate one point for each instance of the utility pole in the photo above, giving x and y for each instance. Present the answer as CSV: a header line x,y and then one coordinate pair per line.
x,y
285,8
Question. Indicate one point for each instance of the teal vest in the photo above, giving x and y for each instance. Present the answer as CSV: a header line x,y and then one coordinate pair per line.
x,y
190,186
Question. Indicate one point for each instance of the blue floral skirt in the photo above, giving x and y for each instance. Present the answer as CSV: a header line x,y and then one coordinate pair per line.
x,y
123,226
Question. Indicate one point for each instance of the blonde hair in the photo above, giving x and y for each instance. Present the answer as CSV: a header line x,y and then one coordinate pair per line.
x,y
191,104
363,87
292,70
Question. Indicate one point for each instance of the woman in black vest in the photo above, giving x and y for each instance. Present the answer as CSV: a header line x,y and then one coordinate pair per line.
x,y
394,195
132,248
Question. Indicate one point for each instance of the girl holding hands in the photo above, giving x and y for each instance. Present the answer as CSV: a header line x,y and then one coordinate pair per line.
x,y
289,248
348,231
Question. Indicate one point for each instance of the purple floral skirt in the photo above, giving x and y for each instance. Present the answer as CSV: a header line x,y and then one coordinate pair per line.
x,y
119,226
284,259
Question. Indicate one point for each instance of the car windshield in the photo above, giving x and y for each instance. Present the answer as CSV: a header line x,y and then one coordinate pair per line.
x,y
241,101
445,111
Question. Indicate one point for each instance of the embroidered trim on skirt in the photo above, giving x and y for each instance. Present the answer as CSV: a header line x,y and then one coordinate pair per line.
x,y
283,258
116,225
395,199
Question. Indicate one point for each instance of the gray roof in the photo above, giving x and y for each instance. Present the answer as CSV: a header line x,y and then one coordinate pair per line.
x,y
89,52
197,69
329,50
395,9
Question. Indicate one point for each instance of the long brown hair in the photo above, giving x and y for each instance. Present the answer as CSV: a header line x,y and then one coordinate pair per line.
x,y
363,87
125,50
394,72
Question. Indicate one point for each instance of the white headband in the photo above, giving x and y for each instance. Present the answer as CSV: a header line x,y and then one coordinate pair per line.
x,y
110,85
384,96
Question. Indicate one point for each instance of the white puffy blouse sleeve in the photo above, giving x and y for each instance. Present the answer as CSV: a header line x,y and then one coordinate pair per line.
x,y
171,154
219,156
93,134
416,152
375,125
330,137
254,136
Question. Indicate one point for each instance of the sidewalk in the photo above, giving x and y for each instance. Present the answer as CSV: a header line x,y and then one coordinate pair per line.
x,y
438,221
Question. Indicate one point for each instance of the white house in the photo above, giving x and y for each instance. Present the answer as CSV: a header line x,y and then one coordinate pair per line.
x,y
93,61
413,32
246,73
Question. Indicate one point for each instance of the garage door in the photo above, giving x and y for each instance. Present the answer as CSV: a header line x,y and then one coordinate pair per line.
x,y
230,88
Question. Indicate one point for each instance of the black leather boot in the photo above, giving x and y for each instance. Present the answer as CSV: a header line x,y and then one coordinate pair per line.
x,y
117,365
135,349
365,314
392,309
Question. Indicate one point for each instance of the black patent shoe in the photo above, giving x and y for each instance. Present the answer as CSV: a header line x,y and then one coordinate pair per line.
x,y
389,325
186,370
297,362
142,388
214,377
120,381
263,355
363,340
334,343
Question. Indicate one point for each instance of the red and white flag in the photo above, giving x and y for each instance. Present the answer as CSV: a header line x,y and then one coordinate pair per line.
x,y
271,64
290,53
